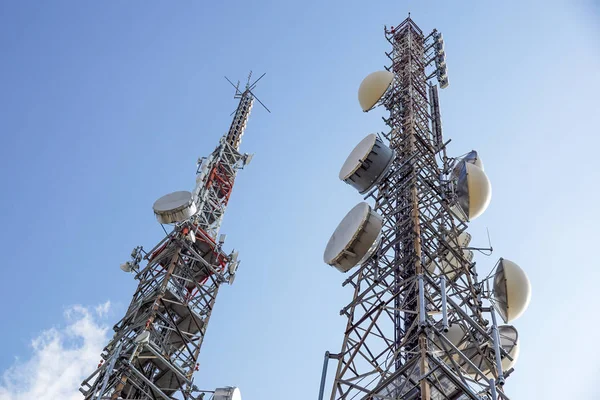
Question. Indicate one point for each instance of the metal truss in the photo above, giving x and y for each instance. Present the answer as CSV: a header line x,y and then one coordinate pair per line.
x,y
394,344
216,174
154,351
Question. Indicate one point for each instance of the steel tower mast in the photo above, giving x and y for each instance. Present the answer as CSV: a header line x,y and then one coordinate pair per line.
x,y
421,324
154,351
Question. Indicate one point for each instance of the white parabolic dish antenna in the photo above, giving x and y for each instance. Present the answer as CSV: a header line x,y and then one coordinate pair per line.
x,y
143,337
367,163
373,87
474,191
457,335
449,264
227,393
512,290
174,207
509,342
354,239
126,267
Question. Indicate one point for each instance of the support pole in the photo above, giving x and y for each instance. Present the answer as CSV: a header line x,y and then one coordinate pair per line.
x,y
324,373
444,304
422,314
493,389
496,337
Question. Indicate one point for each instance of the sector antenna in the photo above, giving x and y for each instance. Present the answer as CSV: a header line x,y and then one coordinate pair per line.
x,y
421,323
154,351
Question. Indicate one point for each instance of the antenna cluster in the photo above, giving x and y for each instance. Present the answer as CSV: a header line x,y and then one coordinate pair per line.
x,y
155,348
248,89
421,325
439,58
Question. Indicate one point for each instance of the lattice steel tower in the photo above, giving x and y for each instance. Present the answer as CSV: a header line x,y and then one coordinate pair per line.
x,y
421,323
154,351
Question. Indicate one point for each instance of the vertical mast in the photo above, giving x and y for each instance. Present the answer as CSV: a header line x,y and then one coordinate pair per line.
x,y
238,125
419,321
216,173
154,351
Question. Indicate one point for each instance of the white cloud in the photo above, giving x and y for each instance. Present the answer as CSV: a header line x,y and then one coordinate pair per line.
x,y
102,309
61,359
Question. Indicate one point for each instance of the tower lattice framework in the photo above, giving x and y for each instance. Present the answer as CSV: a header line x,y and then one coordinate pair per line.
x,y
154,351
394,345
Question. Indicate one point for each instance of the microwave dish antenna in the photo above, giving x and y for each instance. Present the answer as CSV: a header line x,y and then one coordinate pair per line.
x,y
367,164
373,87
354,239
227,393
174,207
512,290
473,190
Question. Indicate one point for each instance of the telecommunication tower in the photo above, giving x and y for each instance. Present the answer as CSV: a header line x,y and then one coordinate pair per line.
x,y
422,324
154,351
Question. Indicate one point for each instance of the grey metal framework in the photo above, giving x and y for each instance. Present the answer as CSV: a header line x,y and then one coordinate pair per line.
x,y
394,346
154,351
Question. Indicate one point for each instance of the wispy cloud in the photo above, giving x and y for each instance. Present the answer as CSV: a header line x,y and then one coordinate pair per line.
x,y
61,358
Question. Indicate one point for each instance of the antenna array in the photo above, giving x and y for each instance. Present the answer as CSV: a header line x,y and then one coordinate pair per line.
x,y
154,351
421,325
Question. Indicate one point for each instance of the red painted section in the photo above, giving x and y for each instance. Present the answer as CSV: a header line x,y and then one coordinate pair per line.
x,y
222,182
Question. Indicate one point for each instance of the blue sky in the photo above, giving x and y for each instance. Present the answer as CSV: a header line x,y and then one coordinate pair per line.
x,y
105,106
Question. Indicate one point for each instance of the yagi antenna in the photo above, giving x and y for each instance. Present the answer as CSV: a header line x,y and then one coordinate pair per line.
x,y
249,88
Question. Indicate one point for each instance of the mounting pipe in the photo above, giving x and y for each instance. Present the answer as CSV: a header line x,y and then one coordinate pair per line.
x,y
327,357
497,347
444,305
493,389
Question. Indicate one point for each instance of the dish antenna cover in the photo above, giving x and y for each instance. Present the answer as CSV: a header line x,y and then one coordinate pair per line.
x,y
126,267
174,207
509,342
367,163
512,290
143,338
227,393
355,238
456,333
373,87
449,264
474,191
